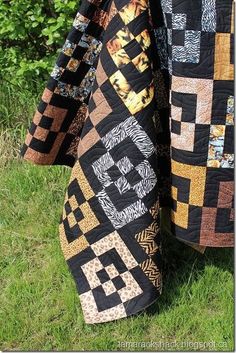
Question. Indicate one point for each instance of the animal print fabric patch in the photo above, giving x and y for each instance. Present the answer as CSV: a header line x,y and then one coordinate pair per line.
x,y
140,105
200,63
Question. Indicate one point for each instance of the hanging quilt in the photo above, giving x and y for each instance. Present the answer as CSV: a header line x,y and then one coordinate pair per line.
x,y
140,104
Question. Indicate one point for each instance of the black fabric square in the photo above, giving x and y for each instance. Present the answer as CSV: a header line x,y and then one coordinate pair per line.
x,y
176,127
113,257
220,99
87,8
92,104
45,122
132,49
42,106
168,17
158,19
78,214
75,78
118,282
103,276
102,301
74,35
94,29
127,199
232,48
229,139
73,109
223,222
114,172
223,19
178,37
188,103
139,23
60,101
75,190
62,60
32,128
174,205
76,231
44,146
71,233
79,52
67,207
183,187
138,81
86,127
113,27
201,141
120,4
133,177
192,233
51,84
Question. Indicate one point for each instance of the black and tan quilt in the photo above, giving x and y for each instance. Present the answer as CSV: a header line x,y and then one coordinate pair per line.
x,y
140,104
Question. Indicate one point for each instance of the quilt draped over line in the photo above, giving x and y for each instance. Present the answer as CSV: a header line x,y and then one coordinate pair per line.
x,y
140,105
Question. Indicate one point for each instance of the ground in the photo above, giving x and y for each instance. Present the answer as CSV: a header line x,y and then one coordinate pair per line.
x,y
40,307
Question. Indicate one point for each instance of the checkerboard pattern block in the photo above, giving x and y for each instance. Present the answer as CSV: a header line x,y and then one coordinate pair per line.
x,y
140,103
54,133
109,228
202,119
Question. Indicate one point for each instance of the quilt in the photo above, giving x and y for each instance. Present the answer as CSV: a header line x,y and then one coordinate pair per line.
x,y
140,104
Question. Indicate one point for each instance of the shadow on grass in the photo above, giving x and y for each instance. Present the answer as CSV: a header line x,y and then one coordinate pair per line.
x,y
182,265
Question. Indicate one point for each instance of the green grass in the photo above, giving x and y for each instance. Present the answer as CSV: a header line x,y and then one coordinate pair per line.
x,y
17,105
40,308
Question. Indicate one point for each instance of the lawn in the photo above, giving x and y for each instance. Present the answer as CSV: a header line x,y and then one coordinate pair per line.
x,y
40,307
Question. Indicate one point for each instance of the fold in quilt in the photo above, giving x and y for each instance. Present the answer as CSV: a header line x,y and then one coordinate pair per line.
x,y
140,104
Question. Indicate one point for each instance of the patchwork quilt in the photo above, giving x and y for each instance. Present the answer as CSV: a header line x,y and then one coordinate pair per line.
x,y
140,104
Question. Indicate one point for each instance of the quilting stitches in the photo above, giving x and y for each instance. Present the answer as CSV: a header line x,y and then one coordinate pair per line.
x,y
190,52
152,272
142,188
203,89
148,179
74,59
120,218
78,217
209,15
197,177
166,6
114,240
217,158
208,234
100,167
129,128
133,101
223,67
132,10
105,112
128,287
179,21
146,239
